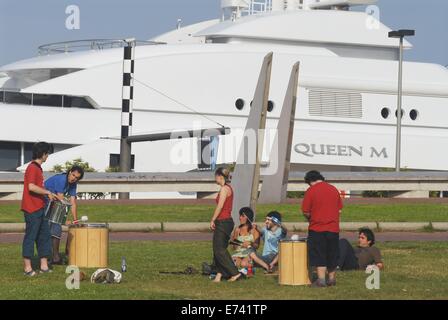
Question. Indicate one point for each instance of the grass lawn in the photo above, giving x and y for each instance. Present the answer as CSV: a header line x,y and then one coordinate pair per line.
x,y
202,213
413,271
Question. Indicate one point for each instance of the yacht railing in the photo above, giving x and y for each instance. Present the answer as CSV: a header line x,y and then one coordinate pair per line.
x,y
259,6
89,44
234,9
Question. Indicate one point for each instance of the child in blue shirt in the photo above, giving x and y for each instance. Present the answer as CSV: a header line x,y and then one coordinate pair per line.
x,y
272,233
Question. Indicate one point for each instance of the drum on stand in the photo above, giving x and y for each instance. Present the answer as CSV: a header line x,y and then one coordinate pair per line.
x,y
293,263
57,211
88,245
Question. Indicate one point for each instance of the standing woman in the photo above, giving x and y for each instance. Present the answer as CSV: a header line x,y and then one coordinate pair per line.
x,y
222,225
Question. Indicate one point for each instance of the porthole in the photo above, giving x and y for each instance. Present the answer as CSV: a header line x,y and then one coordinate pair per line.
x,y
402,113
413,114
271,105
239,104
385,112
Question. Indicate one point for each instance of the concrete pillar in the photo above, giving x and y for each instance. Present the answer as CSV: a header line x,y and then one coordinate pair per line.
x,y
246,176
275,183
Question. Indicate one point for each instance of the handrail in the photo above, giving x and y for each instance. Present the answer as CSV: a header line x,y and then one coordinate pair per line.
x,y
205,182
87,44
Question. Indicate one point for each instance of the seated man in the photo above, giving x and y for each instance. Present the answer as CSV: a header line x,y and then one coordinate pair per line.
x,y
272,233
364,255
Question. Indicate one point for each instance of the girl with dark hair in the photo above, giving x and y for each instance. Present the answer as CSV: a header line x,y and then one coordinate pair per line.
x,y
247,237
222,225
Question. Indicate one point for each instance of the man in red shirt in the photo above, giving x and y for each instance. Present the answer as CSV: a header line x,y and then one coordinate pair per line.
x,y
322,206
37,228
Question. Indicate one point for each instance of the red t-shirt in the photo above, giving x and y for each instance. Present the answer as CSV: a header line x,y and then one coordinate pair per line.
x,y
32,202
226,212
323,202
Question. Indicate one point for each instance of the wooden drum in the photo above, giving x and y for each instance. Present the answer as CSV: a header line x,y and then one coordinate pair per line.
x,y
88,245
293,263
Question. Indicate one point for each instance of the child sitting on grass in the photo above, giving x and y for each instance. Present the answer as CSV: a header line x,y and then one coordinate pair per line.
x,y
272,233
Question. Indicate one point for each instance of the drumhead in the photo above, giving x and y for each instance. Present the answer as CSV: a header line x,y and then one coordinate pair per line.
x,y
90,225
294,241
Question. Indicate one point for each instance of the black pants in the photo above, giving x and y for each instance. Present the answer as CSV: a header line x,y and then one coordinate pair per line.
x,y
323,249
347,259
222,260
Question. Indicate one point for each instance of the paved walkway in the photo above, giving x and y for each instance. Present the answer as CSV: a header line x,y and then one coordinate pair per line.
x,y
204,236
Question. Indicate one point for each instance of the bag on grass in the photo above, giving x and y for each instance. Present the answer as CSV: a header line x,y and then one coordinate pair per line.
x,y
107,276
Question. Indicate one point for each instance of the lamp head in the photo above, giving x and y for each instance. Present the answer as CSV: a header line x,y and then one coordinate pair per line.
x,y
401,33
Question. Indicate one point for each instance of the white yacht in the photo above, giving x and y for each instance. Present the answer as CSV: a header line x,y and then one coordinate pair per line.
x,y
205,74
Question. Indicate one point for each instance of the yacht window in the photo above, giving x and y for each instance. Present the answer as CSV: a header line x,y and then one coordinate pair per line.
x,y
402,113
385,112
28,152
413,114
47,100
17,97
10,159
271,105
77,102
239,104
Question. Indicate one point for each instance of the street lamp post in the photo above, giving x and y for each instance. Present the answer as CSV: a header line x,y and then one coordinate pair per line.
x,y
400,34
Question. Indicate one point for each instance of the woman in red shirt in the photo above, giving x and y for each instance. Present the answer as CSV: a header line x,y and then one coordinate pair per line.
x,y
222,225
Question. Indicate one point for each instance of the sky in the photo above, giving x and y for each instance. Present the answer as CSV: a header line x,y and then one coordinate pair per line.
x,y
26,24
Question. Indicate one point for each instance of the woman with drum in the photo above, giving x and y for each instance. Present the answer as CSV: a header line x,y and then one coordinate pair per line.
x,y
222,226
63,185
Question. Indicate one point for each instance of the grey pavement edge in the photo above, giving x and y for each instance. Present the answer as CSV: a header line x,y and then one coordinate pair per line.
x,y
205,226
